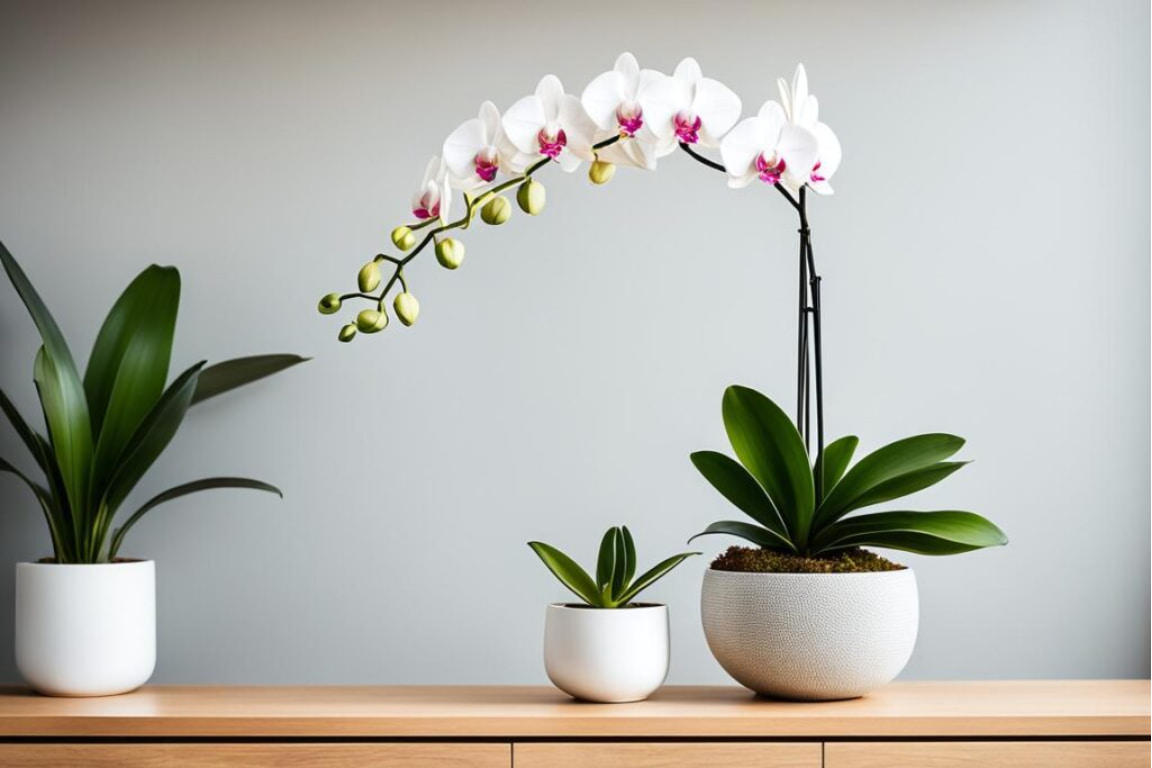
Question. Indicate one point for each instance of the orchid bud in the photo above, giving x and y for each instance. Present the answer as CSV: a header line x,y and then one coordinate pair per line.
x,y
450,253
372,320
369,277
531,197
407,308
329,304
347,333
601,172
403,238
496,211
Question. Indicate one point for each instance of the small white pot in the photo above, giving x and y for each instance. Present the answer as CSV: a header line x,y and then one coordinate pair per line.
x,y
606,654
86,630
811,636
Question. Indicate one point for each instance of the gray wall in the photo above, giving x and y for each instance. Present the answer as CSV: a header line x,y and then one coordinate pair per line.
x,y
987,273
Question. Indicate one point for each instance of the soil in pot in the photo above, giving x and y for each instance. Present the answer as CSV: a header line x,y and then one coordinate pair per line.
x,y
752,560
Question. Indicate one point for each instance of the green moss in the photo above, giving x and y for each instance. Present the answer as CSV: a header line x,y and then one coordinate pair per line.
x,y
748,560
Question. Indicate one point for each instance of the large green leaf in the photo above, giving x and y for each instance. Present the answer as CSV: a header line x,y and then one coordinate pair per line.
x,y
630,555
45,323
652,575
770,448
129,364
27,435
882,465
621,568
568,572
606,560
906,484
222,377
195,486
833,462
756,534
930,533
739,487
66,413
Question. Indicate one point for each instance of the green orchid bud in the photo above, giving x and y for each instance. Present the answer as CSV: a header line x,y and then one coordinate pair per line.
x,y
372,320
496,211
450,253
329,304
369,277
407,308
601,172
347,333
531,197
403,238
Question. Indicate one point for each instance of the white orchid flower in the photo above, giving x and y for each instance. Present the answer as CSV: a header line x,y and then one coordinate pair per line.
x,y
477,150
688,107
770,148
434,197
612,101
549,123
802,109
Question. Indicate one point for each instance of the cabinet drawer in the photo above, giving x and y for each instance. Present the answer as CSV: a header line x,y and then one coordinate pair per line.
x,y
988,754
256,755
655,755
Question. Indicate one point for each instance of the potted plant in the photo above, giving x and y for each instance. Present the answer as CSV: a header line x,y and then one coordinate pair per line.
x,y
86,617
606,648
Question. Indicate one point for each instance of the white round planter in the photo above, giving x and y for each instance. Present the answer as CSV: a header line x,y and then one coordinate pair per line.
x,y
606,654
86,630
811,636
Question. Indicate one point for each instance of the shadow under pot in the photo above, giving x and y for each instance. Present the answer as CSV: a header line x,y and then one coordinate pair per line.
x,y
86,630
608,655
811,636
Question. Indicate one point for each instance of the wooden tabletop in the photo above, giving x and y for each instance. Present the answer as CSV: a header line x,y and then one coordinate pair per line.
x,y
1026,709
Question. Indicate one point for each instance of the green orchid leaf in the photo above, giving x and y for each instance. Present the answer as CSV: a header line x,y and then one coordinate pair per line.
x,y
630,553
756,534
834,461
230,374
770,448
69,431
739,487
943,532
618,583
906,484
606,561
568,572
651,576
178,491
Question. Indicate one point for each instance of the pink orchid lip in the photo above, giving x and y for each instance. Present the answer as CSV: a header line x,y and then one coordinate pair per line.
x,y
487,163
551,146
769,171
426,208
630,119
687,127
815,177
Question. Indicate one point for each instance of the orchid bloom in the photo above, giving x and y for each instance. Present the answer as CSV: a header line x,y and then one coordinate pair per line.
x,y
802,109
688,107
434,197
477,150
549,123
770,148
612,101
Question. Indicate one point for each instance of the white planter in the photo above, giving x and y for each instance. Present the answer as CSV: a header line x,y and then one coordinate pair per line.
x,y
86,630
606,654
811,636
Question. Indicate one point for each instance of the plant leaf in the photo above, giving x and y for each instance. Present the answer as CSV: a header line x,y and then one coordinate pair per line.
x,y
756,534
568,572
44,497
176,492
630,553
930,533
618,583
652,575
606,561
893,460
739,487
230,374
69,431
834,461
770,448
27,435
907,484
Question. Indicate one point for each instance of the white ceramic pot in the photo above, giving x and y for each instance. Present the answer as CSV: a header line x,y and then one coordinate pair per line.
x,y
86,630
606,654
811,636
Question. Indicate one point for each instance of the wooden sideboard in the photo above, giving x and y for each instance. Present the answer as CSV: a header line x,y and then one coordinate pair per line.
x,y
1009,724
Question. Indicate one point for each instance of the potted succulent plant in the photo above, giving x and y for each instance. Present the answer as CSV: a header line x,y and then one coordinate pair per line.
x,y
86,617
607,648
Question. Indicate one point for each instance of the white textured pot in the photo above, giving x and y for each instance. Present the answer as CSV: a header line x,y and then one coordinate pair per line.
x,y
606,654
86,630
811,636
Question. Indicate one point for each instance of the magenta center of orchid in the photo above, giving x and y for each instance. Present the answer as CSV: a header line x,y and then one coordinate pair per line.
x,y
427,206
687,127
487,163
770,169
630,118
816,176
551,144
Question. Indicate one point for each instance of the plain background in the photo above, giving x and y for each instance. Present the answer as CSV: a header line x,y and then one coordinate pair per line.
x,y
986,263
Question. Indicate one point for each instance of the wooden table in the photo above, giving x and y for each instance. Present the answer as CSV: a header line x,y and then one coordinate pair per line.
x,y
1097,724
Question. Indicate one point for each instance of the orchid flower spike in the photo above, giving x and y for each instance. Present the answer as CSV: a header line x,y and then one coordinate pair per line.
x,y
612,101
770,148
802,109
688,107
549,123
477,150
434,197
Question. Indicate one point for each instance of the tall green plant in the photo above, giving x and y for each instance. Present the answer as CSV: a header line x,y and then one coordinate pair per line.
x,y
106,429
774,483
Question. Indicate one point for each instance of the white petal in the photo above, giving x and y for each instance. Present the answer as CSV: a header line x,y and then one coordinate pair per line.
x,y
798,147
743,144
550,91
461,146
821,187
430,170
799,88
648,77
829,152
774,119
568,160
666,146
629,69
520,161
661,102
522,123
578,126
785,96
809,113
490,119
718,108
738,182
688,71
445,199
602,97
